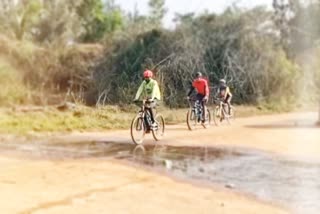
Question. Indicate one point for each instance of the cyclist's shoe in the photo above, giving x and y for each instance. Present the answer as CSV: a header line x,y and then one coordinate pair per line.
x,y
154,126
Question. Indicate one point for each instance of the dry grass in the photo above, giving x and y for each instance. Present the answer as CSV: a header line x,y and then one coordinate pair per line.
x,y
43,73
12,90
49,119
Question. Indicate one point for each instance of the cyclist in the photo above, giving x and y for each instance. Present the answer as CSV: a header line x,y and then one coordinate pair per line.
x,y
201,86
224,93
149,89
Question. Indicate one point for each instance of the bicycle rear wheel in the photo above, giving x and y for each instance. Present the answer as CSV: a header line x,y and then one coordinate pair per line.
x,y
159,131
191,119
138,130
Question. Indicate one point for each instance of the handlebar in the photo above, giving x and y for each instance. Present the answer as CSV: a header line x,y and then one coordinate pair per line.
x,y
193,99
190,99
218,101
144,102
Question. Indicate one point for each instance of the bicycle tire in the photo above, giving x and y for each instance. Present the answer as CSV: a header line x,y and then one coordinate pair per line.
x,y
233,113
138,124
191,117
217,115
160,131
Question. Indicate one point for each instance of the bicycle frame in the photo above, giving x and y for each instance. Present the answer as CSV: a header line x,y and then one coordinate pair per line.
x,y
143,113
222,110
221,107
196,107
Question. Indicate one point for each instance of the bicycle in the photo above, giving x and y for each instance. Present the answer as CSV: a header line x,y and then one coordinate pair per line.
x,y
221,112
142,124
194,115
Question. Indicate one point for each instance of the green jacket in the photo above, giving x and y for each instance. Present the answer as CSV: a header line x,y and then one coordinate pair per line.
x,y
149,90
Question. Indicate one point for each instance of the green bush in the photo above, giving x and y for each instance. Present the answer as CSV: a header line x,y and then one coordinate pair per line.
x,y
230,46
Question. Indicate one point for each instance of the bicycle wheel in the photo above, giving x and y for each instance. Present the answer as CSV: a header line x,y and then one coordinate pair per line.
x,y
225,114
207,122
217,115
191,119
232,113
158,132
138,130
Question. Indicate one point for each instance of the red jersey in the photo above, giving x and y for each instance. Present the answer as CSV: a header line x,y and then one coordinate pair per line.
x,y
201,85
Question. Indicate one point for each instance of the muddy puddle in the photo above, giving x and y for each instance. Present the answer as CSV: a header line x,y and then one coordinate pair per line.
x,y
292,183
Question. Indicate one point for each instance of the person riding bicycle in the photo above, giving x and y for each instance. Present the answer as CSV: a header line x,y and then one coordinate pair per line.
x,y
201,86
225,94
149,89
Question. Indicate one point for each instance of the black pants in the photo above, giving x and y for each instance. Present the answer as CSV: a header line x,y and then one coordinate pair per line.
x,y
228,102
152,106
200,97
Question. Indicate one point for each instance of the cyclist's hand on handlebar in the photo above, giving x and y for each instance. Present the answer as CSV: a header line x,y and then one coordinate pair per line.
x,y
150,100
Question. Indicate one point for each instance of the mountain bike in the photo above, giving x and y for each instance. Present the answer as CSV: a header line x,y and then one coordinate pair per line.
x,y
142,124
194,115
221,112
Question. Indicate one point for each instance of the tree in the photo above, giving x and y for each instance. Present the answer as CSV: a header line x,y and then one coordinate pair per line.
x,y
99,18
157,12
19,19
237,44
135,24
305,27
284,12
184,19
298,24
58,22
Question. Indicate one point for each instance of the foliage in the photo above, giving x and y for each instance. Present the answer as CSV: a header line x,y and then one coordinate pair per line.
x,y
58,24
99,19
157,11
232,45
51,74
298,23
261,53
12,89
18,20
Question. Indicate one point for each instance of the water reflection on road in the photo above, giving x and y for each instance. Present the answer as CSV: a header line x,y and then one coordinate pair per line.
x,y
293,183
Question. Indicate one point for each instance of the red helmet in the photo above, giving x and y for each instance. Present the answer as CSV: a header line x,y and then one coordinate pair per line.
x,y
147,74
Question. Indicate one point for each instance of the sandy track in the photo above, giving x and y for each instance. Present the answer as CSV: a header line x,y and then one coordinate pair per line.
x,y
89,186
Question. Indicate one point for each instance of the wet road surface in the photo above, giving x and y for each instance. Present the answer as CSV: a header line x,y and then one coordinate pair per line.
x,y
280,180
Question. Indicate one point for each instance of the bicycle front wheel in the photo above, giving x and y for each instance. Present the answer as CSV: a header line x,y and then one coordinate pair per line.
x,y
191,119
138,130
217,115
232,113
159,130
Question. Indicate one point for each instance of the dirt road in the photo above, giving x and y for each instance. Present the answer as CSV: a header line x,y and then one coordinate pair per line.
x,y
288,134
107,186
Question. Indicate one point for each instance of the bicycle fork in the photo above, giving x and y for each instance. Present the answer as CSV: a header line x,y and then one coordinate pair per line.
x,y
139,125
